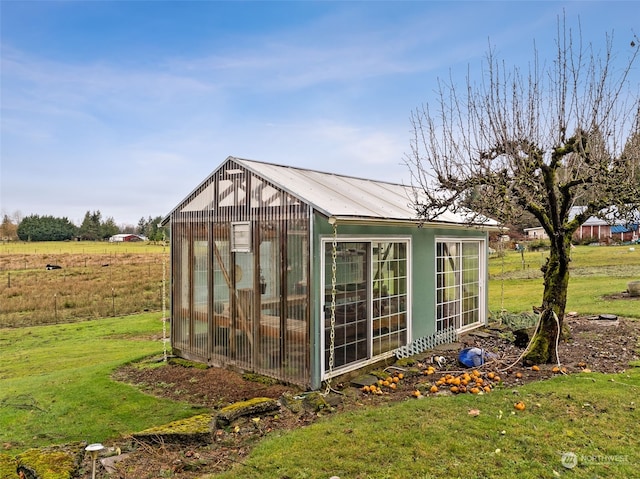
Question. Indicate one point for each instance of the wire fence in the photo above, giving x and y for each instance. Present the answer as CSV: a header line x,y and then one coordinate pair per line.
x,y
45,289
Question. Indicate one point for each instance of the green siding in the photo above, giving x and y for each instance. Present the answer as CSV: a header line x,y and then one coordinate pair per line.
x,y
424,264
423,306
422,270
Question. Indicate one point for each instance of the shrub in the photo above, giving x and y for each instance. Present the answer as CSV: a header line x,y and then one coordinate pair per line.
x,y
539,245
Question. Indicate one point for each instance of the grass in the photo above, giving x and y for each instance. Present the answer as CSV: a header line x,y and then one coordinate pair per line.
x,y
593,416
597,272
586,261
56,386
96,280
78,247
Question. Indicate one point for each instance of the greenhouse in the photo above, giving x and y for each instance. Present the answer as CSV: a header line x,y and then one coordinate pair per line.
x,y
302,275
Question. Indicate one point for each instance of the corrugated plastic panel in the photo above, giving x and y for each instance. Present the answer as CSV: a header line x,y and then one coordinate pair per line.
x,y
240,269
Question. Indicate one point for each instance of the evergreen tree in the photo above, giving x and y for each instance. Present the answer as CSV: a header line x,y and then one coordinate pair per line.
x,y
109,228
46,228
156,232
142,227
90,229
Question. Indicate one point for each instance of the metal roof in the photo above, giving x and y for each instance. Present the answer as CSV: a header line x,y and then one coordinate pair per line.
x,y
346,197
624,228
606,217
340,196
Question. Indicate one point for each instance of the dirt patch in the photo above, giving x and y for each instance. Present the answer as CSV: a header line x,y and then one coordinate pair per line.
x,y
621,295
212,387
606,346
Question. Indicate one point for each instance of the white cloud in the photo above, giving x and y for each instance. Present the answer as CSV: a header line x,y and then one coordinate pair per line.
x,y
132,136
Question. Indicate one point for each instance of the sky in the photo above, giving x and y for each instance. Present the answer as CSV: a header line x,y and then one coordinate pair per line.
x,y
124,107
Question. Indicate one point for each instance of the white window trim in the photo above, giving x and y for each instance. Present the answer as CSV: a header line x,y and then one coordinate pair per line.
x,y
324,239
482,280
241,237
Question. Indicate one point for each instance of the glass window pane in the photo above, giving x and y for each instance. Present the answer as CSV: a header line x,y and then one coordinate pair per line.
x,y
457,284
351,298
389,315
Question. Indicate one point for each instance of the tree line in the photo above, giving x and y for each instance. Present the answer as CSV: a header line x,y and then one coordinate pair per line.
x,y
93,228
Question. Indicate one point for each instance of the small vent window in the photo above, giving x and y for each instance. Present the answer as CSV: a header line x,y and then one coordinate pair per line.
x,y
241,237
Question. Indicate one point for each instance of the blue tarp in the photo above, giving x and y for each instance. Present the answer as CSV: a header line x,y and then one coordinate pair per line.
x,y
473,357
623,229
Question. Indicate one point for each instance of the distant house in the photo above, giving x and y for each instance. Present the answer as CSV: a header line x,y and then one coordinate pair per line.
x,y
535,233
605,229
302,275
624,233
126,238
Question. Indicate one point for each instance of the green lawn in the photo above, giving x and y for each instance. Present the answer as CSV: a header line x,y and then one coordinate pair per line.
x,y
78,247
589,415
56,387
590,418
596,272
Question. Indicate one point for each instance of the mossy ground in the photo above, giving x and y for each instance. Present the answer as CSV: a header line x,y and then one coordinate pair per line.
x,y
56,462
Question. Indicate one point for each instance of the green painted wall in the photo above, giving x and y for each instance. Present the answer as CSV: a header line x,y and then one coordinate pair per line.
x,y
424,287
422,269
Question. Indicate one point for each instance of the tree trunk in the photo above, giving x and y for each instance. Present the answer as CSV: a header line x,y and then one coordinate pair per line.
x,y
543,347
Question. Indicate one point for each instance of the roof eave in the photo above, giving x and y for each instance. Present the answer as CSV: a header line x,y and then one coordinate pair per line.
x,y
359,220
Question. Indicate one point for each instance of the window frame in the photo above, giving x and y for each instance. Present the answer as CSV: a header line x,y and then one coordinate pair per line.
x,y
371,240
480,280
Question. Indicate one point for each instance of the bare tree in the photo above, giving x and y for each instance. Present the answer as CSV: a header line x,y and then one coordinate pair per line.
x,y
542,140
